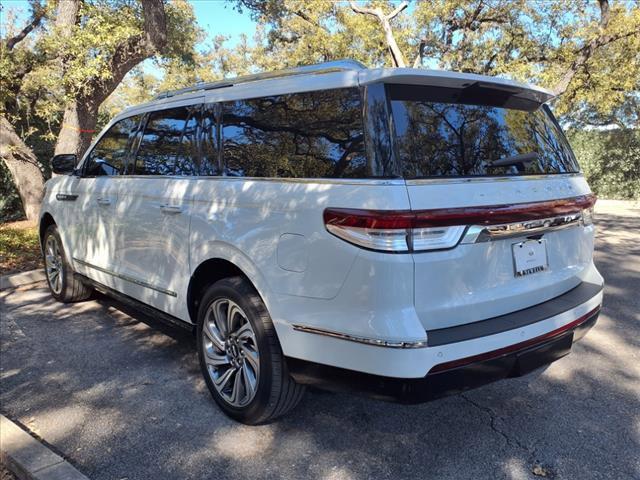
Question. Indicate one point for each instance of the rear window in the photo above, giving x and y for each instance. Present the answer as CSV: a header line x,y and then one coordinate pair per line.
x,y
445,132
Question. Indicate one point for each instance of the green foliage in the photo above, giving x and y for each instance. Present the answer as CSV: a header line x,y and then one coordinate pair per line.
x,y
610,160
19,248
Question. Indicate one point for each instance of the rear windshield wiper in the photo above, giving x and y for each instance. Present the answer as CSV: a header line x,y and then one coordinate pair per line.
x,y
520,159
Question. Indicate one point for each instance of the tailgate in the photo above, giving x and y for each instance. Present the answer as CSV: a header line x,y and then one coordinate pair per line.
x,y
478,278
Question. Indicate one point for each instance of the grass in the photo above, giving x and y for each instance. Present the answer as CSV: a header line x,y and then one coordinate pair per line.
x,y
19,247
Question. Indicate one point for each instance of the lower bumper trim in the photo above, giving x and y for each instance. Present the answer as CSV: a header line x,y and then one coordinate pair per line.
x,y
516,347
457,379
367,341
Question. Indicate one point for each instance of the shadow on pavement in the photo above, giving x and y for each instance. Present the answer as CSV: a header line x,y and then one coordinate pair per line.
x,y
123,398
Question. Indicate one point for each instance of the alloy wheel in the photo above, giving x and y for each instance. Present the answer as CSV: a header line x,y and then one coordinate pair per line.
x,y
53,264
231,352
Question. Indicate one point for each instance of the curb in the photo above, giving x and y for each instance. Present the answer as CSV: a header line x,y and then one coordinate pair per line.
x,y
29,459
23,278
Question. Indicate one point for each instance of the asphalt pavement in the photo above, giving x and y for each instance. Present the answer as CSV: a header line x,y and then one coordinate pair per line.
x,y
124,399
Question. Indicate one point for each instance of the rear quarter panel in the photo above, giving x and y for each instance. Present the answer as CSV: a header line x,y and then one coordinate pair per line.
x,y
274,230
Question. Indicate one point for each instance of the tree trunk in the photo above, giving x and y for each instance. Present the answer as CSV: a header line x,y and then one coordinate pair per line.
x,y
66,15
394,49
78,127
81,114
24,169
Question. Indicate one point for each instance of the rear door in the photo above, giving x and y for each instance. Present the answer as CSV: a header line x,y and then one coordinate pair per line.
x,y
498,176
153,245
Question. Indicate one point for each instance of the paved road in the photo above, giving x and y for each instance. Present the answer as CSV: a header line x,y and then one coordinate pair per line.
x,y
124,399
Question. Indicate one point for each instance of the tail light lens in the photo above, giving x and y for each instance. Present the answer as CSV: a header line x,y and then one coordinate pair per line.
x,y
390,231
400,231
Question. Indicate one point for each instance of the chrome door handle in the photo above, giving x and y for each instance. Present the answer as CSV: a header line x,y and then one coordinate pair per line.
x,y
173,209
104,201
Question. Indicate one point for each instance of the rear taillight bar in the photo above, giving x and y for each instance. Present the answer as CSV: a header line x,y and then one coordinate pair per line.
x,y
418,230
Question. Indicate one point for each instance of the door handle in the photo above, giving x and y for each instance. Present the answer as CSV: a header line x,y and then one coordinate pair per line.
x,y
104,201
172,209
66,197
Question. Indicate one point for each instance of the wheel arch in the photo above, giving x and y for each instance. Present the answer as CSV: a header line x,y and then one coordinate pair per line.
x,y
207,273
46,220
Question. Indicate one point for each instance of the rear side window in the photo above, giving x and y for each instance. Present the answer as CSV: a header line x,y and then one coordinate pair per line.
x,y
109,155
169,143
313,135
443,132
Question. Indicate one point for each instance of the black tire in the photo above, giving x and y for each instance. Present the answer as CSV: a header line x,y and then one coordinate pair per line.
x,y
69,289
276,392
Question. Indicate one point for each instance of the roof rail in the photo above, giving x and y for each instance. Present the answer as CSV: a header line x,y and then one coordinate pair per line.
x,y
326,67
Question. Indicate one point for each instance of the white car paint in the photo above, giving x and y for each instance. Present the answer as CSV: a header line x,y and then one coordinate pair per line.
x,y
148,234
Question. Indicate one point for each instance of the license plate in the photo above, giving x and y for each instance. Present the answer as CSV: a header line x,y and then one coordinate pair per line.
x,y
529,257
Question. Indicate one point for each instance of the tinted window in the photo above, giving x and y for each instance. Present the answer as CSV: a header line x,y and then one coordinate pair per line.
x,y
210,141
313,135
378,134
109,155
448,132
169,143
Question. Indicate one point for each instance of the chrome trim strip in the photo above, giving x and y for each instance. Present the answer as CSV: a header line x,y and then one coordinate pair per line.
x,y
444,180
126,278
489,233
336,181
367,341
355,181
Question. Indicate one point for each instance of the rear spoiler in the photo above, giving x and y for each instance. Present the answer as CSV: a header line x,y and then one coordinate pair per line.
x,y
440,78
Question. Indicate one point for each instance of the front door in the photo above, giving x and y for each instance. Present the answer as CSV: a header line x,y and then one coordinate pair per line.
x,y
99,210
153,243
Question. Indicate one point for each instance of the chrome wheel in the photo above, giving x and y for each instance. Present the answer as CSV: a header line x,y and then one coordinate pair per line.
x,y
231,352
53,264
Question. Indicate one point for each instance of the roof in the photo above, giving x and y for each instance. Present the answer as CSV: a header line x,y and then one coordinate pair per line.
x,y
328,75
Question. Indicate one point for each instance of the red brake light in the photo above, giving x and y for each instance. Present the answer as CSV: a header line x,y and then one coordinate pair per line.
x,y
415,230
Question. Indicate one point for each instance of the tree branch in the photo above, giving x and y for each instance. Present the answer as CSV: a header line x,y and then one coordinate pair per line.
x,y
36,18
155,25
585,53
418,60
396,54
305,17
397,11
138,48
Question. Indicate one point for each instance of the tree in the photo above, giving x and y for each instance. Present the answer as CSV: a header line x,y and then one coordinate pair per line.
x,y
17,156
295,32
24,168
587,51
71,55
97,45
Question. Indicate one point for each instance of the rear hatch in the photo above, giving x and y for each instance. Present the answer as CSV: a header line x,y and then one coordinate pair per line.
x,y
495,173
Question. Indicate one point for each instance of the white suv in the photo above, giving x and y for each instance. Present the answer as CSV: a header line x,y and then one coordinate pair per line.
x,y
403,233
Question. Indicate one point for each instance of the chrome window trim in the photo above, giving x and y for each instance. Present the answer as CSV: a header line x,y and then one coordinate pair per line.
x,y
336,181
354,181
519,178
127,278
366,341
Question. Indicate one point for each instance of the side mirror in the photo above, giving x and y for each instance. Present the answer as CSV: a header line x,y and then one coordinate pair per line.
x,y
64,164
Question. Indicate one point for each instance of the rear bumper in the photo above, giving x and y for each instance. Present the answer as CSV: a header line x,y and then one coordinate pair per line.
x,y
452,377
